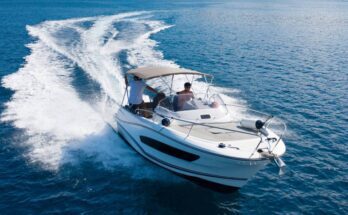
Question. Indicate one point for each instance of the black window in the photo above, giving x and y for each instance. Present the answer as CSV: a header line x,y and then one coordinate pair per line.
x,y
169,150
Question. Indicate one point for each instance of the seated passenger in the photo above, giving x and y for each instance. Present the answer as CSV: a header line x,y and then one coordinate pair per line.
x,y
184,96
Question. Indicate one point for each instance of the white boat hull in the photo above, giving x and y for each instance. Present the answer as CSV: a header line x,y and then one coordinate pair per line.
x,y
154,142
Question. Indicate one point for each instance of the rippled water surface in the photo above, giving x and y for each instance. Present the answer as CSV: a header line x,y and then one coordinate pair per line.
x,y
61,69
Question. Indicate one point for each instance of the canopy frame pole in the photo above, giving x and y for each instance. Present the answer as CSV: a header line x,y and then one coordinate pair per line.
x,y
193,76
187,79
125,92
171,85
206,92
161,77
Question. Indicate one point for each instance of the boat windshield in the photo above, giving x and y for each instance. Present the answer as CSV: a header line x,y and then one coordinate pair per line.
x,y
187,102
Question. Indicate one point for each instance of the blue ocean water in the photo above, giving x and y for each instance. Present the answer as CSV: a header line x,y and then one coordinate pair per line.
x,y
61,66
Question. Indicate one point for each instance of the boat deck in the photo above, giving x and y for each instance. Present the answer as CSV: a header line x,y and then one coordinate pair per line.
x,y
239,142
217,131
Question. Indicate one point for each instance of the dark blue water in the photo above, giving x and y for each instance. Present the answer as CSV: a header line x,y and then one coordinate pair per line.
x,y
60,79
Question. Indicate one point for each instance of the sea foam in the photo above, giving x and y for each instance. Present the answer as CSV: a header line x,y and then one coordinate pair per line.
x,y
57,122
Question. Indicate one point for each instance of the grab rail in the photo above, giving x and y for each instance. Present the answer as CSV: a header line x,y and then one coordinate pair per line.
x,y
196,123
268,122
268,118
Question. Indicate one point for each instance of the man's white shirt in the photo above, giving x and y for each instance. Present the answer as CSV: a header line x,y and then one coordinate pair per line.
x,y
136,92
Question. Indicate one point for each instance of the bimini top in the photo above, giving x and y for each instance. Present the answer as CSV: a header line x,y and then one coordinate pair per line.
x,y
153,72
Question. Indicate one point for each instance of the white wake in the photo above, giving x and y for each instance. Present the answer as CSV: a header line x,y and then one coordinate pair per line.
x,y
56,121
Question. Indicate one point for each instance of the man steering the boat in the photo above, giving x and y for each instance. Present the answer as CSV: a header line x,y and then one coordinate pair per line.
x,y
137,87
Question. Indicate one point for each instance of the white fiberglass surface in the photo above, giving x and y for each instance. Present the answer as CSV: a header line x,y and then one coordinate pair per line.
x,y
181,103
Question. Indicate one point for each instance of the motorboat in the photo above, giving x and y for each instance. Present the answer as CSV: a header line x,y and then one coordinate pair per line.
x,y
206,140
